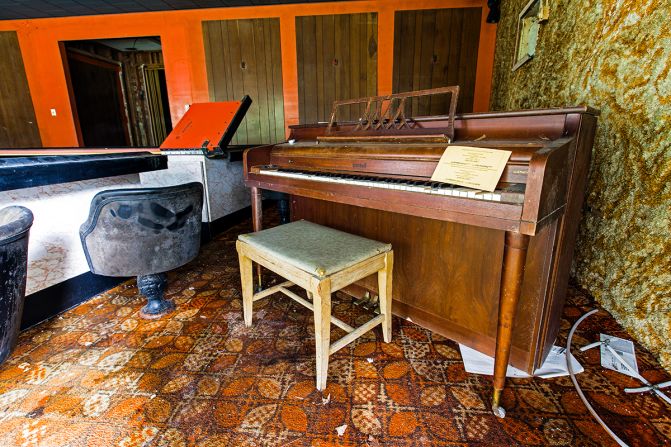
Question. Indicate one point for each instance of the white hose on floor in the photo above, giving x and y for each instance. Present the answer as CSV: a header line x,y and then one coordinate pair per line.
x,y
648,386
575,382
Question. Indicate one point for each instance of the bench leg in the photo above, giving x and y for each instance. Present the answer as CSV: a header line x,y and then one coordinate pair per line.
x,y
321,293
247,280
384,277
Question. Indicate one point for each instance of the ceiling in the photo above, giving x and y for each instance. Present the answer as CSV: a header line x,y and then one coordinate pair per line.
x,y
33,9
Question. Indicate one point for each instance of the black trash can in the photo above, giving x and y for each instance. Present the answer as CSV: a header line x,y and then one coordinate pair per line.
x,y
15,223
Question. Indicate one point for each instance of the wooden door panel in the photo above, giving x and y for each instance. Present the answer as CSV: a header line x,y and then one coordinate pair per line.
x,y
337,59
18,126
244,58
436,48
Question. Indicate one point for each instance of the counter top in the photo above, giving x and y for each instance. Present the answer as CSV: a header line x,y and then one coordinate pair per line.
x,y
30,171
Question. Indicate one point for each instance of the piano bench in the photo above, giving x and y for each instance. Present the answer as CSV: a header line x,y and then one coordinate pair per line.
x,y
321,260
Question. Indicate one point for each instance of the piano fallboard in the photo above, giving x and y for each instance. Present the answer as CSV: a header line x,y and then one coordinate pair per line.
x,y
407,159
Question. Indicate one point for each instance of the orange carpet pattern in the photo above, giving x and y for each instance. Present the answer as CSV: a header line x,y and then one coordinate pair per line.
x,y
99,375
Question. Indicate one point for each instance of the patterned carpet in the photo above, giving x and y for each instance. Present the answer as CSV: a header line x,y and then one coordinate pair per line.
x,y
99,375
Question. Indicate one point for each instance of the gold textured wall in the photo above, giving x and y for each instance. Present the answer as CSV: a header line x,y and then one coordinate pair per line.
x,y
615,56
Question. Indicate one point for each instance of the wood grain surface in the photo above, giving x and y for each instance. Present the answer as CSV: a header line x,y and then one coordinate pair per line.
x,y
18,127
243,58
436,48
337,59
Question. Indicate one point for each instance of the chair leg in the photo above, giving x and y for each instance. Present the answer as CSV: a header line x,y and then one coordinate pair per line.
x,y
153,286
384,278
321,293
247,280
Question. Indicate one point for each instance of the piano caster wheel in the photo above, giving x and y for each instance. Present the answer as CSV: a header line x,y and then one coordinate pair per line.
x,y
499,412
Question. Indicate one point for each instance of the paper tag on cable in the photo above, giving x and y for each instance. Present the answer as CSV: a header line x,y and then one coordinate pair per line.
x,y
473,167
625,349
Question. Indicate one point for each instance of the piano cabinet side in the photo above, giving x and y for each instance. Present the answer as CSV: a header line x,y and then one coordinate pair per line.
x,y
255,156
547,185
583,127
447,275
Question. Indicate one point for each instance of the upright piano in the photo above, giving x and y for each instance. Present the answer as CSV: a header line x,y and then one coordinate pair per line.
x,y
486,269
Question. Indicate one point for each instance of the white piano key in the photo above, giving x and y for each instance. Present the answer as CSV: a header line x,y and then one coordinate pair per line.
x,y
460,192
433,188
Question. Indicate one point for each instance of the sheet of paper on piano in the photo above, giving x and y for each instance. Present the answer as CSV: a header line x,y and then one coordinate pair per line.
x,y
475,362
472,167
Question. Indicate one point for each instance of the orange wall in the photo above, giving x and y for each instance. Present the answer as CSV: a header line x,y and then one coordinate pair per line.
x,y
184,55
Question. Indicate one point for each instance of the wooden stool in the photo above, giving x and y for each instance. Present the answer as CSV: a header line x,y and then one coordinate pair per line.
x,y
321,260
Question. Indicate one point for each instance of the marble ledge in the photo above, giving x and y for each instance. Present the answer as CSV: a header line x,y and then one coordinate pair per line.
x,y
40,170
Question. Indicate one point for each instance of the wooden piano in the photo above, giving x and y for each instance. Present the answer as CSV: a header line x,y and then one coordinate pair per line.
x,y
486,269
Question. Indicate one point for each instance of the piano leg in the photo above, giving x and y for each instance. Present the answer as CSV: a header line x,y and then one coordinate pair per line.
x,y
257,214
514,258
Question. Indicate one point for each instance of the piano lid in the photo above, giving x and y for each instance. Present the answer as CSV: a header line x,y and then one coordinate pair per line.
x,y
208,126
411,150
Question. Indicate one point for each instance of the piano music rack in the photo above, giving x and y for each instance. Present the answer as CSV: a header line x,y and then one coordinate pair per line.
x,y
387,112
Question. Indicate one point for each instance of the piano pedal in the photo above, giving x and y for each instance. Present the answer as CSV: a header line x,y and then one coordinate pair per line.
x,y
369,302
373,304
363,300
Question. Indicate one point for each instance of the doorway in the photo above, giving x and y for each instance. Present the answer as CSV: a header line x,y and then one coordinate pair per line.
x,y
118,91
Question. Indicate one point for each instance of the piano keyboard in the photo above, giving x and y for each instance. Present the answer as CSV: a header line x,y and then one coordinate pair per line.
x,y
514,194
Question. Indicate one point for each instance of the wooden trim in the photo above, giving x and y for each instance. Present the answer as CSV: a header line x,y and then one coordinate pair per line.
x,y
93,59
385,47
293,274
485,65
289,69
357,271
270,290
305,303
71,94
358,332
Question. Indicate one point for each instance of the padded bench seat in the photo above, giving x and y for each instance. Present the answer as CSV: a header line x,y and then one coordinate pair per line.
x,y
321,260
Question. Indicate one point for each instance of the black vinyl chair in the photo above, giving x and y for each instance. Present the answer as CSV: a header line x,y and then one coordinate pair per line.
x,y
15,223
144,232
